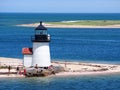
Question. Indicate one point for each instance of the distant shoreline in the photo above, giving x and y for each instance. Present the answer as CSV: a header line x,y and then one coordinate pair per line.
x,y
78,24
71,68
69,26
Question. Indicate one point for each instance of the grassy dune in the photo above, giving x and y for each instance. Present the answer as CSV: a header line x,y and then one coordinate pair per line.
x,y
87,22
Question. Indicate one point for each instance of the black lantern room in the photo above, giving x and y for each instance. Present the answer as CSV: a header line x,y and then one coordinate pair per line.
x,y
41,34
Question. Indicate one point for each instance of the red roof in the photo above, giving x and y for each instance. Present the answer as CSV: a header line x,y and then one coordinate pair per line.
x,y
27,51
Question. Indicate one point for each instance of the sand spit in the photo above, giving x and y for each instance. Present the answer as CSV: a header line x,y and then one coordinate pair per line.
x,y
69,26
78,68
70,68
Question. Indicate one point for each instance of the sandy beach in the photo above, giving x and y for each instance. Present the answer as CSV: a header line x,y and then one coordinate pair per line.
x,y
13,62
71,68
10,61
78,68
69,26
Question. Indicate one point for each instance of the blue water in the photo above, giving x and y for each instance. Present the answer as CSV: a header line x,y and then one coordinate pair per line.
x,y
85,45
66,44
100,82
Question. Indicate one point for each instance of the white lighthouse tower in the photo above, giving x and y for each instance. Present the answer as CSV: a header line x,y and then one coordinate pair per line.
x,y
41,51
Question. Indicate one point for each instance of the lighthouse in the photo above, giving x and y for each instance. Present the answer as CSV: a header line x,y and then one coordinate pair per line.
x,y
41,50
27,60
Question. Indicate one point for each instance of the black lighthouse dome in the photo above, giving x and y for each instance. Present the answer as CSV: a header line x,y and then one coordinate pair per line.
x,y
40,27
41,34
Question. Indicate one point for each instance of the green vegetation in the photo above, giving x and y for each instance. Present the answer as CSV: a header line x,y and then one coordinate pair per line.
x,y
87,22
3,67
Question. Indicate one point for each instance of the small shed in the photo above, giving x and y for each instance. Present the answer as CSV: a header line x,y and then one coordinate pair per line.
x,y
27,60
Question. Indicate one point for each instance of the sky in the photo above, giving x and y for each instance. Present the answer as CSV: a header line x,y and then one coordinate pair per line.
x,y
60,6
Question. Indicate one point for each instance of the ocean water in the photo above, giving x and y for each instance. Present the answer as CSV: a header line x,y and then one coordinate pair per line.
x,y
84,45
100,82
87,45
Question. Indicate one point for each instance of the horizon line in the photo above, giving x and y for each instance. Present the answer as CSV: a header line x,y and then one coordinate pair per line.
x,y
67,12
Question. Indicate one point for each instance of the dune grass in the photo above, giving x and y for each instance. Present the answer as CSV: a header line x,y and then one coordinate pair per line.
x,y
87,22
